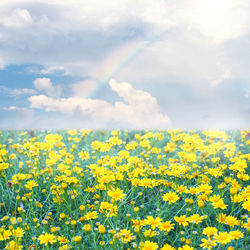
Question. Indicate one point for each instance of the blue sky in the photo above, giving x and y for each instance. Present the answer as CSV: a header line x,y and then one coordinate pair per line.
x,y
124,64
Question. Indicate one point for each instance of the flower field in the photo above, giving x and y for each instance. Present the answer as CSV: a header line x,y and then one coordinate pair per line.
x,y
146,190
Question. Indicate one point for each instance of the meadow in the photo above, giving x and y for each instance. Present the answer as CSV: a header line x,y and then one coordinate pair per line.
x,y
82,189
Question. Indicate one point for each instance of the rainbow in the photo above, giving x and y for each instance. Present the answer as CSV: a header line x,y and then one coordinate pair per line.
x,y
127,56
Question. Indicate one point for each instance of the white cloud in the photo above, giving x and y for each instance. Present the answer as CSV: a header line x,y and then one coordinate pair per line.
x,y
224,76
17,19
65,105
45,85
16,91
174,57
10,108
135,98
218,21
77,36
2,63
138,109
247,93
52,69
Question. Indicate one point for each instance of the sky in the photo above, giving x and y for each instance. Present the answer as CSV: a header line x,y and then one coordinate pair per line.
x,y
124,64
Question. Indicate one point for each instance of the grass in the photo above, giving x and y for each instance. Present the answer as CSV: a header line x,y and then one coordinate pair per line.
x,y
124,189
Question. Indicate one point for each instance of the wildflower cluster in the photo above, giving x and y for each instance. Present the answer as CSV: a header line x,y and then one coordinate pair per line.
x,y
124,190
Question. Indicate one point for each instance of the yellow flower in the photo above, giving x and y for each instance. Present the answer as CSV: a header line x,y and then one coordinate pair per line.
x,y
84,155
246,205
91,215
31,184
215,198
148,245
18,232
102,243
147,182
223,238
62,240
101,229
207,189
87,227
245,194
73,222
180,189
54,229
166,226
167,247
3,166
136,209
190,201
171,197
185,247
5,218
219,204
210,231
150,233
108,208
201,203
77,238
236,198
125,235
64,247
116,194
62,215
221,218
5,235
71,180
195,218
13,245
236,234
82,207
231,221
115,140
124,154
207,243
47,238
13,220
222,185
182,220
153,222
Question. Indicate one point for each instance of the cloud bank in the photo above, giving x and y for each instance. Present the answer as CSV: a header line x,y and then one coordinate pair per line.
x,y
82,37
138,109
16,91
45,85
